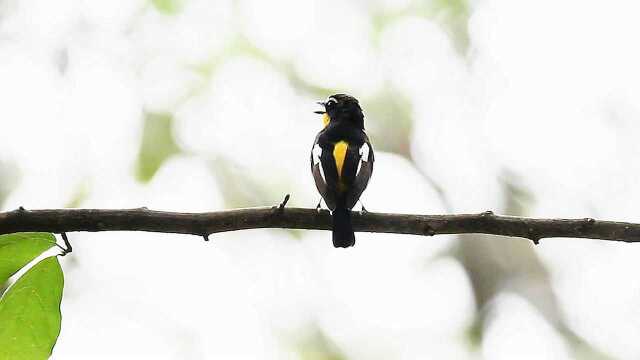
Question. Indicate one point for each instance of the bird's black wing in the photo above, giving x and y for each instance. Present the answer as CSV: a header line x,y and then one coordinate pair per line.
x,y
363,174
319,174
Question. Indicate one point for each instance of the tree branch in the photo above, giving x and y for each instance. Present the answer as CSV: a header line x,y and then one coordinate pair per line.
x,y
203,224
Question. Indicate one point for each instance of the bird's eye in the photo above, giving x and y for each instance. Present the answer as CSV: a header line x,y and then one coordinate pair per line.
x,y
331,101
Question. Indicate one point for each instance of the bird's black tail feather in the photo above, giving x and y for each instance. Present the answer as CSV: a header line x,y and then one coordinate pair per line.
x,y
343,235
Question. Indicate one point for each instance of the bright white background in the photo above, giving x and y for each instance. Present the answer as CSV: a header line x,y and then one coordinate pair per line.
x,y
523,107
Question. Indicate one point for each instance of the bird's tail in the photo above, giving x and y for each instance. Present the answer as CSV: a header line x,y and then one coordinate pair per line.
x,y
343,235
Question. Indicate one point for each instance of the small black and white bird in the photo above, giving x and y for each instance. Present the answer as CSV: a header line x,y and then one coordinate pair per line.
x,y
341,162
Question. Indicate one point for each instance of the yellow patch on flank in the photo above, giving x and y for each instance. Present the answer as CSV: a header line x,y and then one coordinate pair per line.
x,y
339,153
325,119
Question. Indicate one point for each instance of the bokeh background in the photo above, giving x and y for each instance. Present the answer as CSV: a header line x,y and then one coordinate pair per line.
x,y
522,107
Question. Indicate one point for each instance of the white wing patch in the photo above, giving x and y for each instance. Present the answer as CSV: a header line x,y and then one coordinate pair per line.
x,y
364,152
317,152
364,156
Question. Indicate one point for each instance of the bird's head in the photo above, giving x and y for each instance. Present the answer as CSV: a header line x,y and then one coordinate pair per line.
x,y
342,108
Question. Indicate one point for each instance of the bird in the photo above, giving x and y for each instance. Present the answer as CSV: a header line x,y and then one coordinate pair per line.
x,y
341,162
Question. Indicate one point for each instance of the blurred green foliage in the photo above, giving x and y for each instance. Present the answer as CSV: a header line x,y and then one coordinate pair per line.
x,y
79,195
169,7
519,200
238,189
474,333
157,145
581,349
389,122
453,15
316,346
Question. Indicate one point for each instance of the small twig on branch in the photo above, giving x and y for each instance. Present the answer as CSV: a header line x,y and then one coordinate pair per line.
x,y
284,202
142,219
67,249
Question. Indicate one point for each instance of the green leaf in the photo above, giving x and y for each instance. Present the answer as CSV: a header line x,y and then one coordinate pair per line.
x,y
30,313
17,250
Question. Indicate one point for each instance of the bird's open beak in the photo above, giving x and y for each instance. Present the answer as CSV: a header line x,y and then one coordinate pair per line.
x,y
320,111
